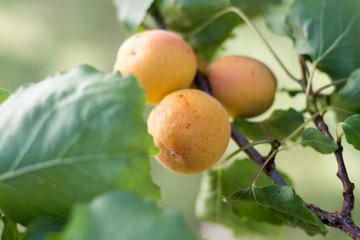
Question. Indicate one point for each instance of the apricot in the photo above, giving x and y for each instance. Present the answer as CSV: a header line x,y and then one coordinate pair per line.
x,y
161,60
245,86
191,129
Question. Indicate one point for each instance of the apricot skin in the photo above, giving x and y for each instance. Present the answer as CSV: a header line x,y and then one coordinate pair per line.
x,y
245,86
161,60
191,129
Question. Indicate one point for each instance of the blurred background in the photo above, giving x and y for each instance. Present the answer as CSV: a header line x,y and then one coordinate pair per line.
x,y
39,38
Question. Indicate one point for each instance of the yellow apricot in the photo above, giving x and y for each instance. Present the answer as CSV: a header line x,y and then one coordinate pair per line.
x,y
161,60
191,129
245,86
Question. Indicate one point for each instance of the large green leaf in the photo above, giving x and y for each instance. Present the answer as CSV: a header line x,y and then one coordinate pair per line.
x,y
207,23
318,141
217,184
328,31
4,94
349,96
351,128
70,138
124,215
280,205
279,125
132,12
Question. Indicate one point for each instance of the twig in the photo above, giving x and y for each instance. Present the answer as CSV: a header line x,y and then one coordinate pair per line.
x,y
308,90
332,84
304,72
269,158
348,186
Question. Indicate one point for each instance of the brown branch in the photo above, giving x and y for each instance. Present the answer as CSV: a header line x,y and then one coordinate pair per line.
x,y
340,219
343,223
348,186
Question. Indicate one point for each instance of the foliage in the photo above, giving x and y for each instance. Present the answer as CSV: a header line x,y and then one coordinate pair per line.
x,y
74,148
105,218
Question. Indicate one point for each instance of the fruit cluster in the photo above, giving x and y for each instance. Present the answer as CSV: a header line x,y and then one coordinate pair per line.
x,y
190,127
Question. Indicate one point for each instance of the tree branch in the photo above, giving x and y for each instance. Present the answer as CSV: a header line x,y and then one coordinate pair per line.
x,y
340,219
348,186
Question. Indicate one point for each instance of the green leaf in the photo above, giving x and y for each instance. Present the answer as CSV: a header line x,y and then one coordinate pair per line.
x,y
328,31
124,215
280,204
275,18
279,125
318,141
42,227
349,95
9,229
351,128
206,24
132,12
4,94
216,184
69,138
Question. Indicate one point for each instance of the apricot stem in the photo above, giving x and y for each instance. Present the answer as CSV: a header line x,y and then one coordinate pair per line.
x,y
308,88
301,127
243,16
334,83
208,22
231,155
268,159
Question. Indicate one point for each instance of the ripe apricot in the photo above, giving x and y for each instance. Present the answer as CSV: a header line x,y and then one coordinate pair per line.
x,y
191,129
161,60
245,86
